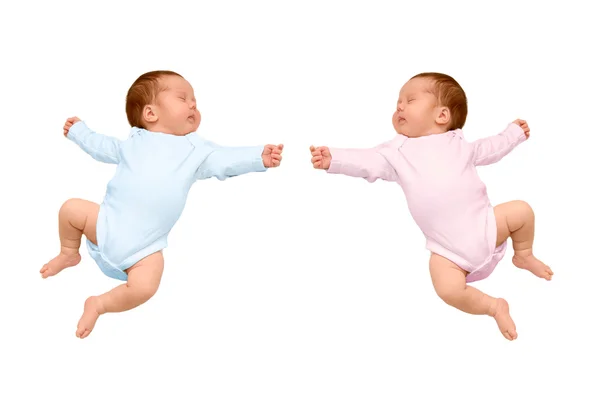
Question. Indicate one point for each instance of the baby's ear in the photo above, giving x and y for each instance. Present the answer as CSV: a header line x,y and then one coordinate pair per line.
x,y
443,116
149,114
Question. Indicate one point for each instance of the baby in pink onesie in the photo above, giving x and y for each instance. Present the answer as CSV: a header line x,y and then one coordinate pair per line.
x,y
436,168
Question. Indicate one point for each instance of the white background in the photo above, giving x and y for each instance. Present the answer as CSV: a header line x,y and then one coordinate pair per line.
x,y
294,284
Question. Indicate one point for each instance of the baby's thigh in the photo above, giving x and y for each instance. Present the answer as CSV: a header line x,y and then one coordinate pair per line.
x,y
446,276
504,214
146,274
92,209
83,215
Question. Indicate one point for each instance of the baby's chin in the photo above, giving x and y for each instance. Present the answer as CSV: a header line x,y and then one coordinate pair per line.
x,y
188,129
183,132
195,122
402,131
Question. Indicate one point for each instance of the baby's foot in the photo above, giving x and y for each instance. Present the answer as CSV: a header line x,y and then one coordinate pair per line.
x,y
91,311
533,265
503,319
59,263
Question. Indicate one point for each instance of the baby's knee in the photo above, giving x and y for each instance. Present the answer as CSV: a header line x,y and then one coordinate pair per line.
x,y
69,205
448,293
147,291
524,207
144,291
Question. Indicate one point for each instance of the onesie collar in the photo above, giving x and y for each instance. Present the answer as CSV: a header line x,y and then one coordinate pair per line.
x,y
457,132
135,130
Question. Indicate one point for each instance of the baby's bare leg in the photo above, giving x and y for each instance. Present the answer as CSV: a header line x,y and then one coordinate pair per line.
x,y
76,217
516,220
449,282
142,283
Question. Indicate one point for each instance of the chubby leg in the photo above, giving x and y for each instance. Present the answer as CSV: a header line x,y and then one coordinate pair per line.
x,y
76,217
142,283
515,219
449,282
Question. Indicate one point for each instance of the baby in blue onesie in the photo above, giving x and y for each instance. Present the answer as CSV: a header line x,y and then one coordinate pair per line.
x,y
156,167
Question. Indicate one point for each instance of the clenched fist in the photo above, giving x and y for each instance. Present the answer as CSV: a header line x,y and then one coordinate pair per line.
x,y
321,157
523,124
70,122
272,155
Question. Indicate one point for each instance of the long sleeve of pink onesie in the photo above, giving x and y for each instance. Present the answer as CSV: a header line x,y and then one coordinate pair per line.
x,y
362,163
493,148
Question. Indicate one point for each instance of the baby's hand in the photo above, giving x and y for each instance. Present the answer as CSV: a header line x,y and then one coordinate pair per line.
x,y
69,124
321,157
272,155
523,124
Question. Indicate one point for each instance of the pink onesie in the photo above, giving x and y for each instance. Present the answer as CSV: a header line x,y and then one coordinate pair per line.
x,y
445,196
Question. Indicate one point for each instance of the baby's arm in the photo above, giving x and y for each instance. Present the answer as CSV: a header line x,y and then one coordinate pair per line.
x,y
226,162
368,164
102,148
492,149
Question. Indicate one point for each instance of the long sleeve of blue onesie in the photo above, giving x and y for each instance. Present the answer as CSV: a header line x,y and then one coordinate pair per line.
x,y
102,148
226,162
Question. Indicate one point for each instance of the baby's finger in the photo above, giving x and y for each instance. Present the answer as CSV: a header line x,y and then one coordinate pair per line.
x,y
317,164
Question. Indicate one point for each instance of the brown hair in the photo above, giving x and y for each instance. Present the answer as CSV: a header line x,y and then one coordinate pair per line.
x,y
449,94
142,92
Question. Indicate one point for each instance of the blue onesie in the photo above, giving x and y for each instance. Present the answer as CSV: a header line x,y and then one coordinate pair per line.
x,y
147,194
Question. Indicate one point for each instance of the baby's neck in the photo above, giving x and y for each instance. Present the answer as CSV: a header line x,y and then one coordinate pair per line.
x,y
436,130
157,128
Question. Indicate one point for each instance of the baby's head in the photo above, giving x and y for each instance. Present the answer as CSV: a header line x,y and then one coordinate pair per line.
x,y
430,103
162,101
